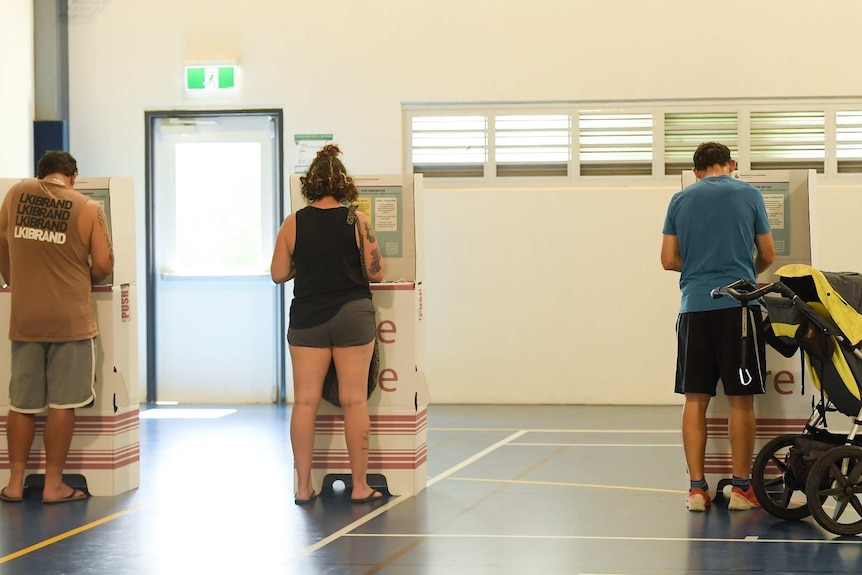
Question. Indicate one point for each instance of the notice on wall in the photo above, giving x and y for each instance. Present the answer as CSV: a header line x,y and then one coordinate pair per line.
x,y
384,206
776,196
387,214
306,148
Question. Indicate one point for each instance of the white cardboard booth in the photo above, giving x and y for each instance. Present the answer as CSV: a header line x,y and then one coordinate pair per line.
x,y
398,407
105,447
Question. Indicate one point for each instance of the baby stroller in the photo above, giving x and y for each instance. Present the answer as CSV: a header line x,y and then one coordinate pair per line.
x,y
816,472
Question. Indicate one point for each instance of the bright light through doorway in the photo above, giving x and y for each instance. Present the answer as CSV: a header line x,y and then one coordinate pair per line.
x,y
218,209
185,413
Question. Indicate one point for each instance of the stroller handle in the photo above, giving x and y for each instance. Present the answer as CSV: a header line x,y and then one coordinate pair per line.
x,y
743,291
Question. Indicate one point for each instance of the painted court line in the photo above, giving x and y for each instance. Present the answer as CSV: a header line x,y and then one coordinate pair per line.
x,y
626,431
68,534
521,444
605,538
398,500
475,458
562,484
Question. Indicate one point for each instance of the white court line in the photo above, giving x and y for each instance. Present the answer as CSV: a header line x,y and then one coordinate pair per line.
x,y
476,457
563,484
603,538
554,430
395,501
520,444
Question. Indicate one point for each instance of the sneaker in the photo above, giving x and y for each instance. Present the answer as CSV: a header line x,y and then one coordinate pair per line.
x,y
697,500
742,500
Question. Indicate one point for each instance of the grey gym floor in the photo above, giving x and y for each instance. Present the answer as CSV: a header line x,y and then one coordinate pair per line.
x,y
526,490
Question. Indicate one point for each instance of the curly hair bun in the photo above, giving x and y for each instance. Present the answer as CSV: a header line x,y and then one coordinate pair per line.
x,y
329,151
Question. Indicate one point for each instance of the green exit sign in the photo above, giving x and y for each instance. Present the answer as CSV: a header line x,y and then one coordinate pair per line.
x,y
210,78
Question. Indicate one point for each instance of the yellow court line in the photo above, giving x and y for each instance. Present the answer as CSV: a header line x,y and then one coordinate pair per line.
x,y
525,444
398,500
560,484
68,534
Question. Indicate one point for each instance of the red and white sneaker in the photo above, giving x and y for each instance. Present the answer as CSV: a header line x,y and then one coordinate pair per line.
x,y
697,500
742,500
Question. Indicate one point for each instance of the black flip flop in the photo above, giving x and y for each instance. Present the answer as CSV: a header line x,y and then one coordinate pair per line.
x,y
7,499
375,496
308,501
68,498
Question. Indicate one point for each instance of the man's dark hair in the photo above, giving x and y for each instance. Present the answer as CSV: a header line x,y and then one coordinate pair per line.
x,y
55,162
710,154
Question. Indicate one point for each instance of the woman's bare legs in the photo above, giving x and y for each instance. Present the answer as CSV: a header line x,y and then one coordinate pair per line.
x,y
310,365
351,364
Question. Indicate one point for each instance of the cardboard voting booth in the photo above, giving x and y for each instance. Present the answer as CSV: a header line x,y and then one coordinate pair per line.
x,y
105,447
398,407
783,408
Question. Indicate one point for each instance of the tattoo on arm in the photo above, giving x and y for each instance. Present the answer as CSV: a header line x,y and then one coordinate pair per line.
x,y
104,226
369,234
375,261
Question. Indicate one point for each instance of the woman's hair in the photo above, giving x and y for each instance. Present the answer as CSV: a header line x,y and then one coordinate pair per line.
x,y
327,176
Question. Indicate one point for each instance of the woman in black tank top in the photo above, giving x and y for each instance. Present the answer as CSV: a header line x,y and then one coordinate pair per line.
x,y
331,315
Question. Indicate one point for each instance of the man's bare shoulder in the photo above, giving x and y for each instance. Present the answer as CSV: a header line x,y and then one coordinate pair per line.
x,y
91,207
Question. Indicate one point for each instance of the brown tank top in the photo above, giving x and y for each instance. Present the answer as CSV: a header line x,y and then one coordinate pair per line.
x,y
50,264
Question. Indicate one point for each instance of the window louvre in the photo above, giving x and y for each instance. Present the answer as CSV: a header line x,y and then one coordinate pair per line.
x,y
532,145
450,146
615,144
684,132
788,140
848,136
572,141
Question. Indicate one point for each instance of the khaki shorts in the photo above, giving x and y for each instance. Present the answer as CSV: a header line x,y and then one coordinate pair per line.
x,y
59,375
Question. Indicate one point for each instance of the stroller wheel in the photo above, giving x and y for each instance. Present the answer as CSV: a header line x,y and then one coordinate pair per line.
x,y
834,488
773,484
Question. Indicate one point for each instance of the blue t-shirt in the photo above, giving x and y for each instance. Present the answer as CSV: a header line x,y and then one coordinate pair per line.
x,y
715,221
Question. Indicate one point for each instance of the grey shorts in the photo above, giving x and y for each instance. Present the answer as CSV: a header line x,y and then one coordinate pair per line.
x,y
60,375
353,325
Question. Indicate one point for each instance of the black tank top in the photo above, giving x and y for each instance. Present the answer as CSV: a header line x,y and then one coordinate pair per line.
x,y
328,266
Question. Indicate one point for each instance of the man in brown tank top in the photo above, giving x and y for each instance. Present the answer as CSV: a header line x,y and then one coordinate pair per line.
x,y
54,243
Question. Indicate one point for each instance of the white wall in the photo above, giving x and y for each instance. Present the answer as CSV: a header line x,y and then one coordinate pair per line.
x,y
17,93
532,295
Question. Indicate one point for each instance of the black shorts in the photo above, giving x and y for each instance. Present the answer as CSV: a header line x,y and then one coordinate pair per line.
x,y
709,349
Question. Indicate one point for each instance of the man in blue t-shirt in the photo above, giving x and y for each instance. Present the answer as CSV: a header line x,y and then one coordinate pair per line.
x,y
710,233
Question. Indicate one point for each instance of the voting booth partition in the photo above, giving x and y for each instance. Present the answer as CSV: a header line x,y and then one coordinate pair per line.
x,y
105,448
397,451
783,409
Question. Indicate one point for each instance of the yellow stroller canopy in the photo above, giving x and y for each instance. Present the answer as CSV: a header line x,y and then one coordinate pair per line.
x,y
840,294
